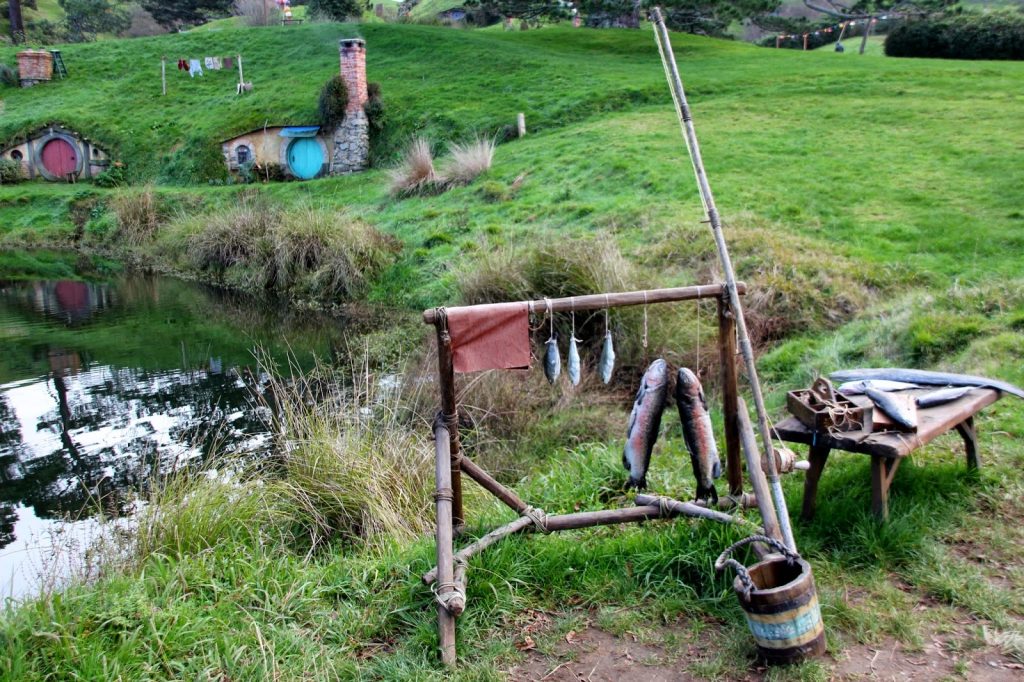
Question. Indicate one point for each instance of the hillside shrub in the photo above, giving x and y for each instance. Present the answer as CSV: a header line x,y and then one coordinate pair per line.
x,y
415,174
468,161
10,172
994,35
8,76
332,103
336,10
138,216
112,177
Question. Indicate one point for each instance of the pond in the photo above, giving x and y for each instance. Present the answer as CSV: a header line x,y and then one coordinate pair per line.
x,y
103,384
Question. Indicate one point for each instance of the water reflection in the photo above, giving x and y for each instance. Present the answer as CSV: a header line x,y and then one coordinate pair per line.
x,y
102,384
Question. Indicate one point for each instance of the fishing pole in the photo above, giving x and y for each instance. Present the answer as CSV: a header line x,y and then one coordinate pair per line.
x,y
675,83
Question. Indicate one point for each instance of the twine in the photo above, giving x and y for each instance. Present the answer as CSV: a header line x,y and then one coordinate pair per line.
x,y
742,573
539,518
454,589
645,324
444,494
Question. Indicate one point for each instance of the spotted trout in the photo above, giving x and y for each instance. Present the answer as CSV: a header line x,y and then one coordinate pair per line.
x,y
700,439
644,423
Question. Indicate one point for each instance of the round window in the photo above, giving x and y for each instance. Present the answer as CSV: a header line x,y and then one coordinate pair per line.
x,y
17,155
243,154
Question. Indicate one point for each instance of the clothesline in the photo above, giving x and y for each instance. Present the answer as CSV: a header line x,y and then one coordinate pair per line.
x,y
194,66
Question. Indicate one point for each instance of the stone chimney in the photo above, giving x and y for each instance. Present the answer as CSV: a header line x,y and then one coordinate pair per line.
x,y
352,138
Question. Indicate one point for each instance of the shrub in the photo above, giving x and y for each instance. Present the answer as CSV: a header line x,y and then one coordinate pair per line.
x,y
257,12
468,161
138,216
11,172
332,102
336,10
415,174
993,35
9,76
112,177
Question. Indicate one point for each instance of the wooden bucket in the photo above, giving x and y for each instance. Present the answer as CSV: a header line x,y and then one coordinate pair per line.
x,y
780,603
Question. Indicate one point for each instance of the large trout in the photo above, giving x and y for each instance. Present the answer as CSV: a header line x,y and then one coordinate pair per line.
x,y
644,423
700,439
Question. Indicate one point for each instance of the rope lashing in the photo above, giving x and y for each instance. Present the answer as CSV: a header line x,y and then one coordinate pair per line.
x,y
724,559
444,494
539,518
445,592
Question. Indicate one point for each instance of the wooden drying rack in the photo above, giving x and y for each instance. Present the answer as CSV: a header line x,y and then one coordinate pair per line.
x,y
450,572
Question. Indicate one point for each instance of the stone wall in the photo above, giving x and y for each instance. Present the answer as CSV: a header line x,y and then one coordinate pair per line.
x,y
351,140
34,66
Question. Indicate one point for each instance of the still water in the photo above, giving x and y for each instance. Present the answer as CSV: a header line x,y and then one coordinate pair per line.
x,y
101,384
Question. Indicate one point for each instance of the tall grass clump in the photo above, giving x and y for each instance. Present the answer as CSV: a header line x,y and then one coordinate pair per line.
x,y
415,173
354,464
468,161
139,216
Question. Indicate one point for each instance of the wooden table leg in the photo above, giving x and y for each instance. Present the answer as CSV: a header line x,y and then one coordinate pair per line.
x,y
883,470
818,457
970,436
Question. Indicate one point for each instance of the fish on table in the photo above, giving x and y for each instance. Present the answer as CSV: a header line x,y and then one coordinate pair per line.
x,y
697,433
857,387
943,396
897,410
925,377
645,423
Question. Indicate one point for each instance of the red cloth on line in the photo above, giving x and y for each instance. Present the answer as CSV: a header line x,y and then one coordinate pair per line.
x,y
495,336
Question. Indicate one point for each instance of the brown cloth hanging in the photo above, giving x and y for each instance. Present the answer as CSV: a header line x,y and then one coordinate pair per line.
x,y
495,336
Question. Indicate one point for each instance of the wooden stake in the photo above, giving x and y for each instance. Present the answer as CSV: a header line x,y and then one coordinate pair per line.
x,y
711,212
521,123
464,554
778,39
446,375
442,475
867,32
805,41
756,474
730,395
163,74
241,78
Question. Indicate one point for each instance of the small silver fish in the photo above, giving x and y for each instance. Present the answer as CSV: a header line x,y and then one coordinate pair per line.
x,y
645,423
856,387
892,407
942,396
552,361
607,362
574,362
697,433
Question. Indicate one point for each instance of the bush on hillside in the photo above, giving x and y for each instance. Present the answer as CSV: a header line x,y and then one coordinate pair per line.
x,y
415,174
8,76
336,10
994,35
332,103
10,172
468,161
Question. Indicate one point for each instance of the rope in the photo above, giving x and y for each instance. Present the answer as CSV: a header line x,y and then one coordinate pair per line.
x,y
444,494
606,304
539,518
645,325
453,590
724,559
551,318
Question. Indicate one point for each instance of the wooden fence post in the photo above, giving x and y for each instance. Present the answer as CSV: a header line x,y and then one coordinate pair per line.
x,y
730,393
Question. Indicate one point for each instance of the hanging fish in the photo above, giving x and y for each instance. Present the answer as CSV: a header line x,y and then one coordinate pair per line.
x,y
644,423
893,408
697,433
573,363
552,361
607,362
856,387
942,396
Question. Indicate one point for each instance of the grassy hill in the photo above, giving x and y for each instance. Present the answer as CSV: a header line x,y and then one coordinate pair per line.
x,y
874,206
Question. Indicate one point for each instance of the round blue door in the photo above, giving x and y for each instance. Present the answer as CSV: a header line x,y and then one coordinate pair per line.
x,y
305,157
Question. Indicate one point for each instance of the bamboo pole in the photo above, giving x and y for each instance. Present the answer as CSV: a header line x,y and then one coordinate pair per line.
x,y
488,483
677,508
163,74
711,213
521,124
442,476
769,519
867,32
618,299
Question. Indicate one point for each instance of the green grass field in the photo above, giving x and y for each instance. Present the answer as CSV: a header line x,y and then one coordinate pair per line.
x,y
873,205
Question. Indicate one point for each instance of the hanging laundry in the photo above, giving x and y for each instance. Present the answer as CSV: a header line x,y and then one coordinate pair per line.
x,y
194,68
208,62
229,62
216,63
181,64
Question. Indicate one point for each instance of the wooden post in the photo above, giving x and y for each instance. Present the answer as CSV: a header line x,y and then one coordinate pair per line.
x,y
730,393
778,39
967,432
241,78
445,561
446,375
867,32
883,470
521,123
487,482
818,457
758,481
163,74
805,41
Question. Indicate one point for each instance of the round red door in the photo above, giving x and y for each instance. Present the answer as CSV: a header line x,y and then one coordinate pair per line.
x,y
59,157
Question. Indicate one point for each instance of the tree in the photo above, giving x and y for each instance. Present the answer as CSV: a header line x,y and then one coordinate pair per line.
x,y
87,18
17,25
186,12
338,10
528,10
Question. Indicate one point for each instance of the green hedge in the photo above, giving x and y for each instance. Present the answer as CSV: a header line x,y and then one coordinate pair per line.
x,y
995,35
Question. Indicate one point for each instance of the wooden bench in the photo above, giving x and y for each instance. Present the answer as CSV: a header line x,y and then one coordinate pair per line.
x,y
887,449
